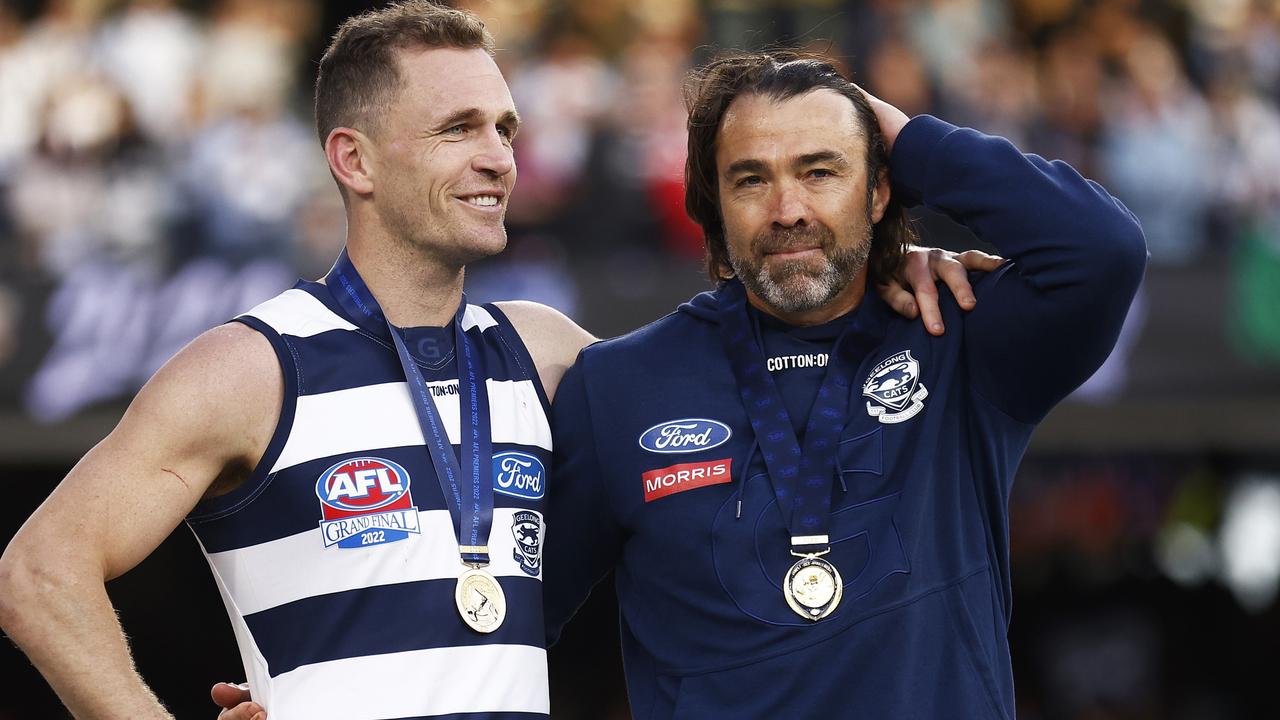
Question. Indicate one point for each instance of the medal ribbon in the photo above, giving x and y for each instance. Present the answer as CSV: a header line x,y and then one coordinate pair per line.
x,y
801,477
467,485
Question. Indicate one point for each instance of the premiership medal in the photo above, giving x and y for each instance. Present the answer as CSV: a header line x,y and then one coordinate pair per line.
x,y
812,587
802,475
480,600
465,481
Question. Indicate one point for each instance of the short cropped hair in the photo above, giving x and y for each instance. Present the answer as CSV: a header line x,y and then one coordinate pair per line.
x,y
358,72
778,75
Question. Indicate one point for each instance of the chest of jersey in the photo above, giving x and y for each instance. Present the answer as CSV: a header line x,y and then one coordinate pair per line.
x,y
340,556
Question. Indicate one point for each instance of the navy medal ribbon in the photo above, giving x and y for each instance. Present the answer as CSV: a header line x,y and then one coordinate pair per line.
x,y
465,480
802,476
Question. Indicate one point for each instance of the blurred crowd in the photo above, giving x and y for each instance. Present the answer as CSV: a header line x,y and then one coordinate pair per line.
x,y
147,133
145,141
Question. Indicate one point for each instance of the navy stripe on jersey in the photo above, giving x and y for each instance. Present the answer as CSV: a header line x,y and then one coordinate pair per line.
x,y
280,515
225,504
512,340
370,362
388,619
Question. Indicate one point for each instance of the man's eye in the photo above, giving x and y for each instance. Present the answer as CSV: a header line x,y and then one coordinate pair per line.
x,y
821,173
750,181
456,130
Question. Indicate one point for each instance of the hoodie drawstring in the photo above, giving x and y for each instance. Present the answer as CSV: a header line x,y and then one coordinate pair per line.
x,y
742,474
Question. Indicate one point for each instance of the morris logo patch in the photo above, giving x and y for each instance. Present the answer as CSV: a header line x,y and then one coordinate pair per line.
x,y
685,476
894,385
365,501
526,528
685,436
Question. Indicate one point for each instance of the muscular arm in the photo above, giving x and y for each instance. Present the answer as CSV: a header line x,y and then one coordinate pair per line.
x,y
206,414
552,339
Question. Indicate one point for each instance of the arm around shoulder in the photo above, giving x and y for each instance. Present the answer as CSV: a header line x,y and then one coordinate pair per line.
x,y
553,340
205,417
1045,322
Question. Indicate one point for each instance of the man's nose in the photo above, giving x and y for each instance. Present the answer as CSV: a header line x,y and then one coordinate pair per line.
x,y
495,157
789,206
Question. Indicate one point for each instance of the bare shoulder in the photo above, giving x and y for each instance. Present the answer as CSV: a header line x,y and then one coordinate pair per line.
x,y
217,399
230,366
552,338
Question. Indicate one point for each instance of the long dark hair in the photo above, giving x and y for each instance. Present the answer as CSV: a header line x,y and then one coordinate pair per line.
x,y
778,75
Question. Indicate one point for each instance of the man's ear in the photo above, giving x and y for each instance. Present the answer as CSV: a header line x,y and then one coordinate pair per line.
x,y
880,196
351,159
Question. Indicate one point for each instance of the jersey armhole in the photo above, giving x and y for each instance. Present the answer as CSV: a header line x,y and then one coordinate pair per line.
x,y
513,341
223,505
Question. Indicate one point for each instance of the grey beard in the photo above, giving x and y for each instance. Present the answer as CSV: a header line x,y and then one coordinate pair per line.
x,y
795,287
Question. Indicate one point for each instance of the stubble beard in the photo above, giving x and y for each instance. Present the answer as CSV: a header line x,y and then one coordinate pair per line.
x,y
796,286
449,240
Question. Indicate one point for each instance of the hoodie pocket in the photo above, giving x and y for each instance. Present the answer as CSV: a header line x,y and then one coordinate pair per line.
x,y
923,660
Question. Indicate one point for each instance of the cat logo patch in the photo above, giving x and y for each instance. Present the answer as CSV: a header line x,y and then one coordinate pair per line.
x,y
895,389
526,528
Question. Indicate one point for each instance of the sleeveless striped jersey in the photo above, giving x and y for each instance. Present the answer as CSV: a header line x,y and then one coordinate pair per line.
x,y
337,559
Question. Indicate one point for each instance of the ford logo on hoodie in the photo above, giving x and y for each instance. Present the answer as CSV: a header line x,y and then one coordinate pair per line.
x,y
685,436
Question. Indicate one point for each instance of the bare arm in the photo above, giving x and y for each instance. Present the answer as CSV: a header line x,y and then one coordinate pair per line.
x,y
552,339
204,418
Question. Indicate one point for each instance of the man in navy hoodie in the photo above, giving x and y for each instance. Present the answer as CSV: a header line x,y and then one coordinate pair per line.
x,y
803,494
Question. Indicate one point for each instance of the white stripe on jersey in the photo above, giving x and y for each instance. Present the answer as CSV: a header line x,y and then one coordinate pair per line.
x,y
255,665
438,681
333,423
475,316
302,567
298,313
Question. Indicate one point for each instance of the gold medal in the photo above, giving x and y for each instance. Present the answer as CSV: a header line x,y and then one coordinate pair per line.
x,y
813,587
480,599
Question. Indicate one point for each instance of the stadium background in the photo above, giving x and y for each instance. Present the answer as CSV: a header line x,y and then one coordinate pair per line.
x,y
158,173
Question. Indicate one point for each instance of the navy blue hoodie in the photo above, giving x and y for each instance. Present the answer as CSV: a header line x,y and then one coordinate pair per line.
x,y
919,528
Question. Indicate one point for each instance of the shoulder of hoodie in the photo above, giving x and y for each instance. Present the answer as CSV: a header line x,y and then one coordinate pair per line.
x,y
675,330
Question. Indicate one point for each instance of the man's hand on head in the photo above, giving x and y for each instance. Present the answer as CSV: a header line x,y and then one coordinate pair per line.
x,y
913,291
236,703
891,119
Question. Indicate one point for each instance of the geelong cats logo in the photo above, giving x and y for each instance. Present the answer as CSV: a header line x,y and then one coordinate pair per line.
x,y
894,387
526,528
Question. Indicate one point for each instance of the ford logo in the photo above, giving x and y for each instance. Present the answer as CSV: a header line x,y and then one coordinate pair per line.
x,y
685,436
519,475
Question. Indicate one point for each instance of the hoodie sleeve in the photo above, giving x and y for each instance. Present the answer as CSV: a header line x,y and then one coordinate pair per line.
x,y
583,539
1046,321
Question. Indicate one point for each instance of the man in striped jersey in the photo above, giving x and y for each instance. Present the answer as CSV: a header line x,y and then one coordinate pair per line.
x,y
289,441
308,445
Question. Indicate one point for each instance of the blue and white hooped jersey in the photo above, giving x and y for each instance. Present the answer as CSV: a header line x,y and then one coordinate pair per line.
x,y
337,559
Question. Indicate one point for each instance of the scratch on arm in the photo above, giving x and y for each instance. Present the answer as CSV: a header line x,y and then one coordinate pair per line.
x,y
180,478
